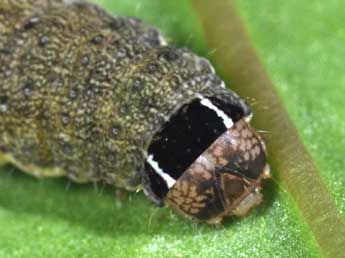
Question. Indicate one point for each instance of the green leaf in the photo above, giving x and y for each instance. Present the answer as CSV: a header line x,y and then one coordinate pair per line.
x,y
299,45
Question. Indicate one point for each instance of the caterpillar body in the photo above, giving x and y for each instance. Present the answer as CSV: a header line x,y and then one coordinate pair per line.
x,y
94,97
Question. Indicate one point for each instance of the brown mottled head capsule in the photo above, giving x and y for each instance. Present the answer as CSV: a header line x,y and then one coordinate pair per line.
x,y
94,97
225,179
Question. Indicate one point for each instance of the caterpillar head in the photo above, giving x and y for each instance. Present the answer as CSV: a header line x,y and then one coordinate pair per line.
x,y
206,164
225,179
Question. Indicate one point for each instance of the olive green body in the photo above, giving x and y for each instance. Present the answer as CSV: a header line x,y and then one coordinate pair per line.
x,y
82,93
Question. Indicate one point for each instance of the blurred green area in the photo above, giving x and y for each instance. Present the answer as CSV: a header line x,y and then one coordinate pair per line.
x,y
299,44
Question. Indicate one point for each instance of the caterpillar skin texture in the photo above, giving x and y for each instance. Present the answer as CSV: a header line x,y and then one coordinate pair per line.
x,y
94,97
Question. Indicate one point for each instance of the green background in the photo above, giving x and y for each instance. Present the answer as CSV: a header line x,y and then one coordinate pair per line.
x,y
300,45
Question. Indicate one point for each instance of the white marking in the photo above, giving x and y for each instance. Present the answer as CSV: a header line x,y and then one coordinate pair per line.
x,y
213,71
226,120
207,62
3,108
154,164
162,40
248,118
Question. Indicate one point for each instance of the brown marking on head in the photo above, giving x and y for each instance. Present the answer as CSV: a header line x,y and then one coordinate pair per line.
x,y
225,179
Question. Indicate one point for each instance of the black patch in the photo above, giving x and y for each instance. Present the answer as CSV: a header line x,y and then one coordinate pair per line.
x,y
188,133
3,100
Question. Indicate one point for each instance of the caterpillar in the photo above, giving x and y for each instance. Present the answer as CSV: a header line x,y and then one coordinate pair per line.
x,y
101,98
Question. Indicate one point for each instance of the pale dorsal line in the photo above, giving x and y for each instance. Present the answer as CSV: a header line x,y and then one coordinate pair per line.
x,y
226,120
167,178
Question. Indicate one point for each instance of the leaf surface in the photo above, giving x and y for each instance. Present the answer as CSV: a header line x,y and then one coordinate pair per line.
x,y
297,44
